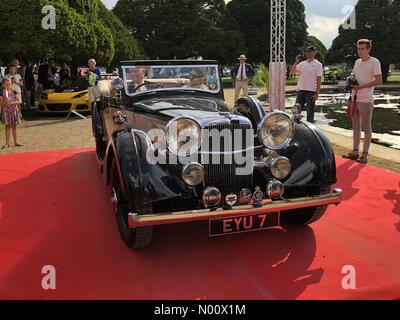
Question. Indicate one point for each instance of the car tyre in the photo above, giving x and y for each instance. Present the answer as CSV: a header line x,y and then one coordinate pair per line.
x,y
134,238
98,132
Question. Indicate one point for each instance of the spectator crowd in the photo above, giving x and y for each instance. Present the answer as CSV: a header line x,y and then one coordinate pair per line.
x,y
21,82
28,77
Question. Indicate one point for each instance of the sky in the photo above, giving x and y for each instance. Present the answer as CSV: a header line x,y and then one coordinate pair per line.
x,y
323,17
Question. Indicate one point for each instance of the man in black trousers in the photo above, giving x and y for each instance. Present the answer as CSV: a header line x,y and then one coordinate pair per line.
x,y
309,83
29,85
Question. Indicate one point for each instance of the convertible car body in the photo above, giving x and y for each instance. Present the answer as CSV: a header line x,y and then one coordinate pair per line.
x,y
172,151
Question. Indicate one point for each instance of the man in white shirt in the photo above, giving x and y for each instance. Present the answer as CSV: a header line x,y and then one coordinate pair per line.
x,y
309,83
368,73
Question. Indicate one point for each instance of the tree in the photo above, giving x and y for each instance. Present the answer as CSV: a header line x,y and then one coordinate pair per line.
x,y
254,19
377,20
319,46
84,29
182,28
126,46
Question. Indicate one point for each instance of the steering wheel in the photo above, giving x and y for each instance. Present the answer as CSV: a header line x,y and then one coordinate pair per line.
x,y
151,85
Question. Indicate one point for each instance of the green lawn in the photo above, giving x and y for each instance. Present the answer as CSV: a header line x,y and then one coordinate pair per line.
x,y
291,81
394,80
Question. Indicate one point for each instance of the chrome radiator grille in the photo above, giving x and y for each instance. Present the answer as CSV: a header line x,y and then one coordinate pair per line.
x,y
219,173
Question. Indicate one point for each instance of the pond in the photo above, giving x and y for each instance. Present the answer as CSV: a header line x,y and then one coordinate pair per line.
x,y
331,115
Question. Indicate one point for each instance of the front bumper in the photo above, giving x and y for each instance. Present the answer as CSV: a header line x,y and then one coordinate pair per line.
x,y
136,220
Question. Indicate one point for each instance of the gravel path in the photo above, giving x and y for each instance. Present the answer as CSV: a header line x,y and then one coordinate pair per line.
x,y
53,133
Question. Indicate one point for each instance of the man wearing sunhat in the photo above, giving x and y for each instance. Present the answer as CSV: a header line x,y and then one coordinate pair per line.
x,y
196,80
309,84
241,73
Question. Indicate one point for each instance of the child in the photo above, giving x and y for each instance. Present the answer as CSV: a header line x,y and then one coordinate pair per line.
x,y
16,80
10,103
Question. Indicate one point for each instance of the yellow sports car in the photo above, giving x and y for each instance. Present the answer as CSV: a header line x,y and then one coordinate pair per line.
x,y
73,96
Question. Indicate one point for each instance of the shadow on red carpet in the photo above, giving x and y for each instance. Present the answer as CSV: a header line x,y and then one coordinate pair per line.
x,y
55,210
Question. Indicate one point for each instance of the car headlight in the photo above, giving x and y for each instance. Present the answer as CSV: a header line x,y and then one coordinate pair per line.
x,y
184,136
80,95
276,130
193,174
281,167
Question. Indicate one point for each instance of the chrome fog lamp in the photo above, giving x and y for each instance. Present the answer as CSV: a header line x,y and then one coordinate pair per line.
x,y
276,130
183,136
275,189
281,167
193,174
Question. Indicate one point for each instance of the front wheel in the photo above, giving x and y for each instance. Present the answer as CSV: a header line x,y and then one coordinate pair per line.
x,y
98,132
137,238
309,215
134,238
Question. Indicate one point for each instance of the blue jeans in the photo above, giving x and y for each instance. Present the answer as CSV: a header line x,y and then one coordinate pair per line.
x,y
304,98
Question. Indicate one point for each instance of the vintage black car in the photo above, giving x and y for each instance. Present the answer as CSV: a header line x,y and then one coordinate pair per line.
x,y
173,151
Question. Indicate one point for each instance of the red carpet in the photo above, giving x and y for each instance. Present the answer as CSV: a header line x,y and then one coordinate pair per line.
x,y
55,210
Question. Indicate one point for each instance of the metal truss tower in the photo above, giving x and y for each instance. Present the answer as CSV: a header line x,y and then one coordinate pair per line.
x,y
277,65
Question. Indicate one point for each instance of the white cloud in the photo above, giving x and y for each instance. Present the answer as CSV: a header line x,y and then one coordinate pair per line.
x,y
109,3
324,28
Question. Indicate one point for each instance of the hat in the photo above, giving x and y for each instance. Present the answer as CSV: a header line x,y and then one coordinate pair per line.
x,y
310,48
242,57
196,73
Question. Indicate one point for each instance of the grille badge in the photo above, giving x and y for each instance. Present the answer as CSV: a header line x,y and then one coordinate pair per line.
x,y
245,196
231,199
258,197
211,197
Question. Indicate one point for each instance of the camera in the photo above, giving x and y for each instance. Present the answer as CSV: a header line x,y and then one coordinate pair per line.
x,y
84,72
350,81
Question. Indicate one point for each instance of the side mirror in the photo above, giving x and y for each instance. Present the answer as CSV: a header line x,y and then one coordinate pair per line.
x,y
118,84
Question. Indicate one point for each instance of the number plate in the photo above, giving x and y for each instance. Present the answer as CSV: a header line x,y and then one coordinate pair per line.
x,y
219,227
